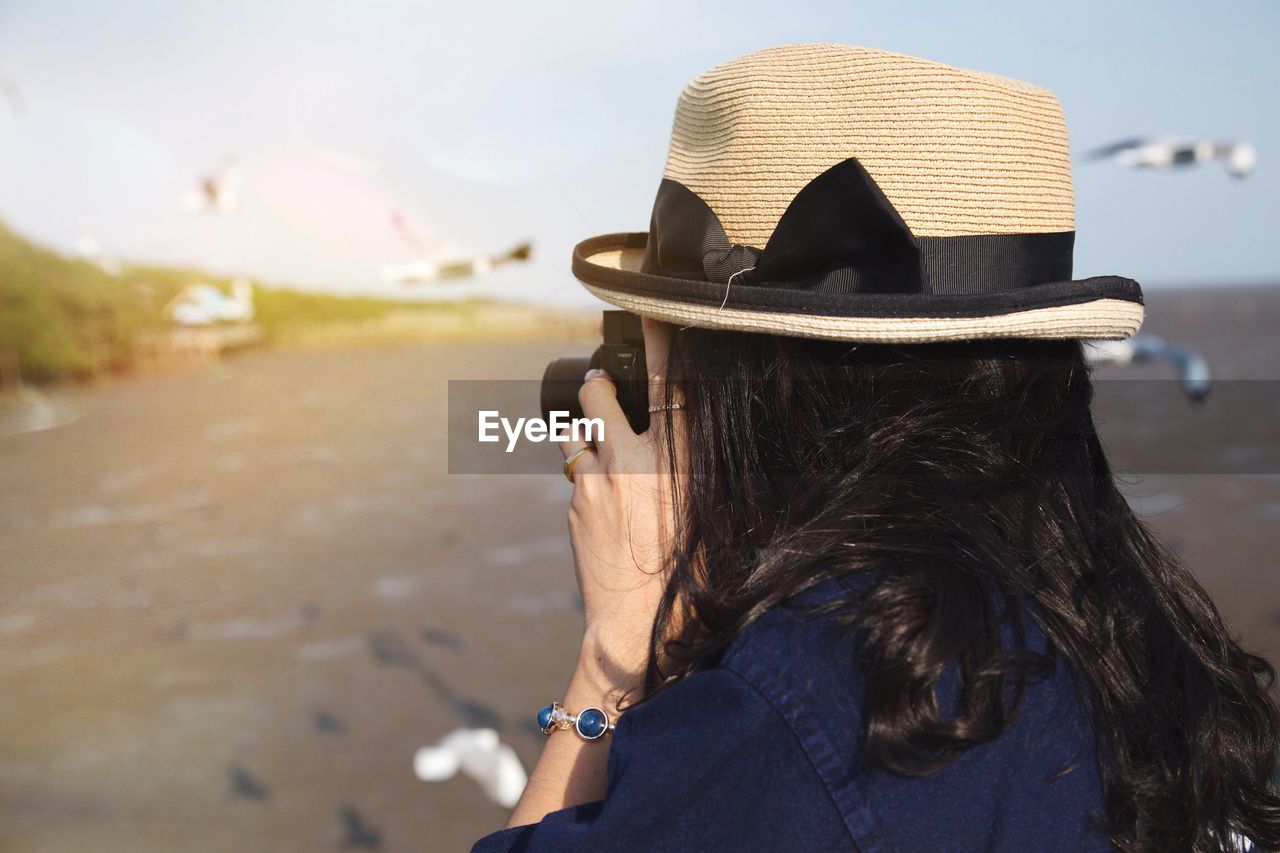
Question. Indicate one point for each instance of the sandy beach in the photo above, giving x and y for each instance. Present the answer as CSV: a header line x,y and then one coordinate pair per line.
x,y
233,602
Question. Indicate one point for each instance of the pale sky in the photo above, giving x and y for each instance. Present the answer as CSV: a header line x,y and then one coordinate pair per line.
x,y
491,123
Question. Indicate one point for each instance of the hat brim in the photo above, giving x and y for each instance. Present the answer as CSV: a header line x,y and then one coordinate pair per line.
x,y
1101,308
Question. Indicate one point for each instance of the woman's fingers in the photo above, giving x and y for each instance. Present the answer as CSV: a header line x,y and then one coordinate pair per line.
x,y
570,447
657,349
599,399
575,440
657,346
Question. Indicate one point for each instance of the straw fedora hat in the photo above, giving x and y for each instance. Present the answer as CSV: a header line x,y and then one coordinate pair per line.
x,y
828,191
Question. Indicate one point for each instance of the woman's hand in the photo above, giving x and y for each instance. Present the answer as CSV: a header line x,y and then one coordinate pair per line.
x,y
620,524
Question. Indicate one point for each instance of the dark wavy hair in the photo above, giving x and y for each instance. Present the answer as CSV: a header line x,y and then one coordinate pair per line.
x,y
949,471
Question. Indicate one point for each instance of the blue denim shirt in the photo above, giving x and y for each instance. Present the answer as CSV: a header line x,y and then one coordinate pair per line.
x,y
762,751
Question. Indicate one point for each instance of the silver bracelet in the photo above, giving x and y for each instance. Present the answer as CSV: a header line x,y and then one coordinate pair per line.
x,y
589,723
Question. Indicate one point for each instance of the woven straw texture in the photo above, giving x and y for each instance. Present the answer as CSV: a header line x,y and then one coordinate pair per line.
x,y
956,152
1101,319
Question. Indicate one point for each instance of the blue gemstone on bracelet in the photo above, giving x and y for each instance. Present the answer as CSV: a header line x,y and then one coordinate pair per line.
x,y
544,718
592,723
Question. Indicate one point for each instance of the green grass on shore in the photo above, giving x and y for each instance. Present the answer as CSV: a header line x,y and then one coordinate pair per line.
x,y
62,318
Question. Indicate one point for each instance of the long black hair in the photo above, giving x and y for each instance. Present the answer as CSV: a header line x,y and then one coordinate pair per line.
x,y
947,471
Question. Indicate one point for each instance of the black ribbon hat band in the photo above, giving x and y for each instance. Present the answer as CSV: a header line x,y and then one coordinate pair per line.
x,y
840,234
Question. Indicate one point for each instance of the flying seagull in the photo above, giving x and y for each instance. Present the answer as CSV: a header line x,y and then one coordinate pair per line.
x,y
440,260
479,754
1193,370
218,192
422,270
1166,152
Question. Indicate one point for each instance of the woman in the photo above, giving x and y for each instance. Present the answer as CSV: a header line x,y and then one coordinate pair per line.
x,y
866,581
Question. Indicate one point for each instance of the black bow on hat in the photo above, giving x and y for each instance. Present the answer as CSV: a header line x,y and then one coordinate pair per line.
x,y
841,235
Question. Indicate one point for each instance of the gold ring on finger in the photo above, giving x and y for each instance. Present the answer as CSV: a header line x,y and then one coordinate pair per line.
x,y
573,460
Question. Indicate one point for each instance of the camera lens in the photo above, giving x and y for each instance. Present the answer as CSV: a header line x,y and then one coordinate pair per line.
x,y
560,383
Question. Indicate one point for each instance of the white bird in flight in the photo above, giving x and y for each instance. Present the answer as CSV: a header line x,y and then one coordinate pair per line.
x,y
479,754
1193,370
1166,152
439,260
218,192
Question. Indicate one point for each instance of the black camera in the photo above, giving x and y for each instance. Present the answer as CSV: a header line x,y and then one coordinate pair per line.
x,y
621,356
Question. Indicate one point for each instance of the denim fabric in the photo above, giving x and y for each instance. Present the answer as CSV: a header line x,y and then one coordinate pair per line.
x,y
763,752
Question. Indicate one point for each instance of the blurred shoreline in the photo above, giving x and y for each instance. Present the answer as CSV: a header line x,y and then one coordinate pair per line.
x,y
34,406
79,321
